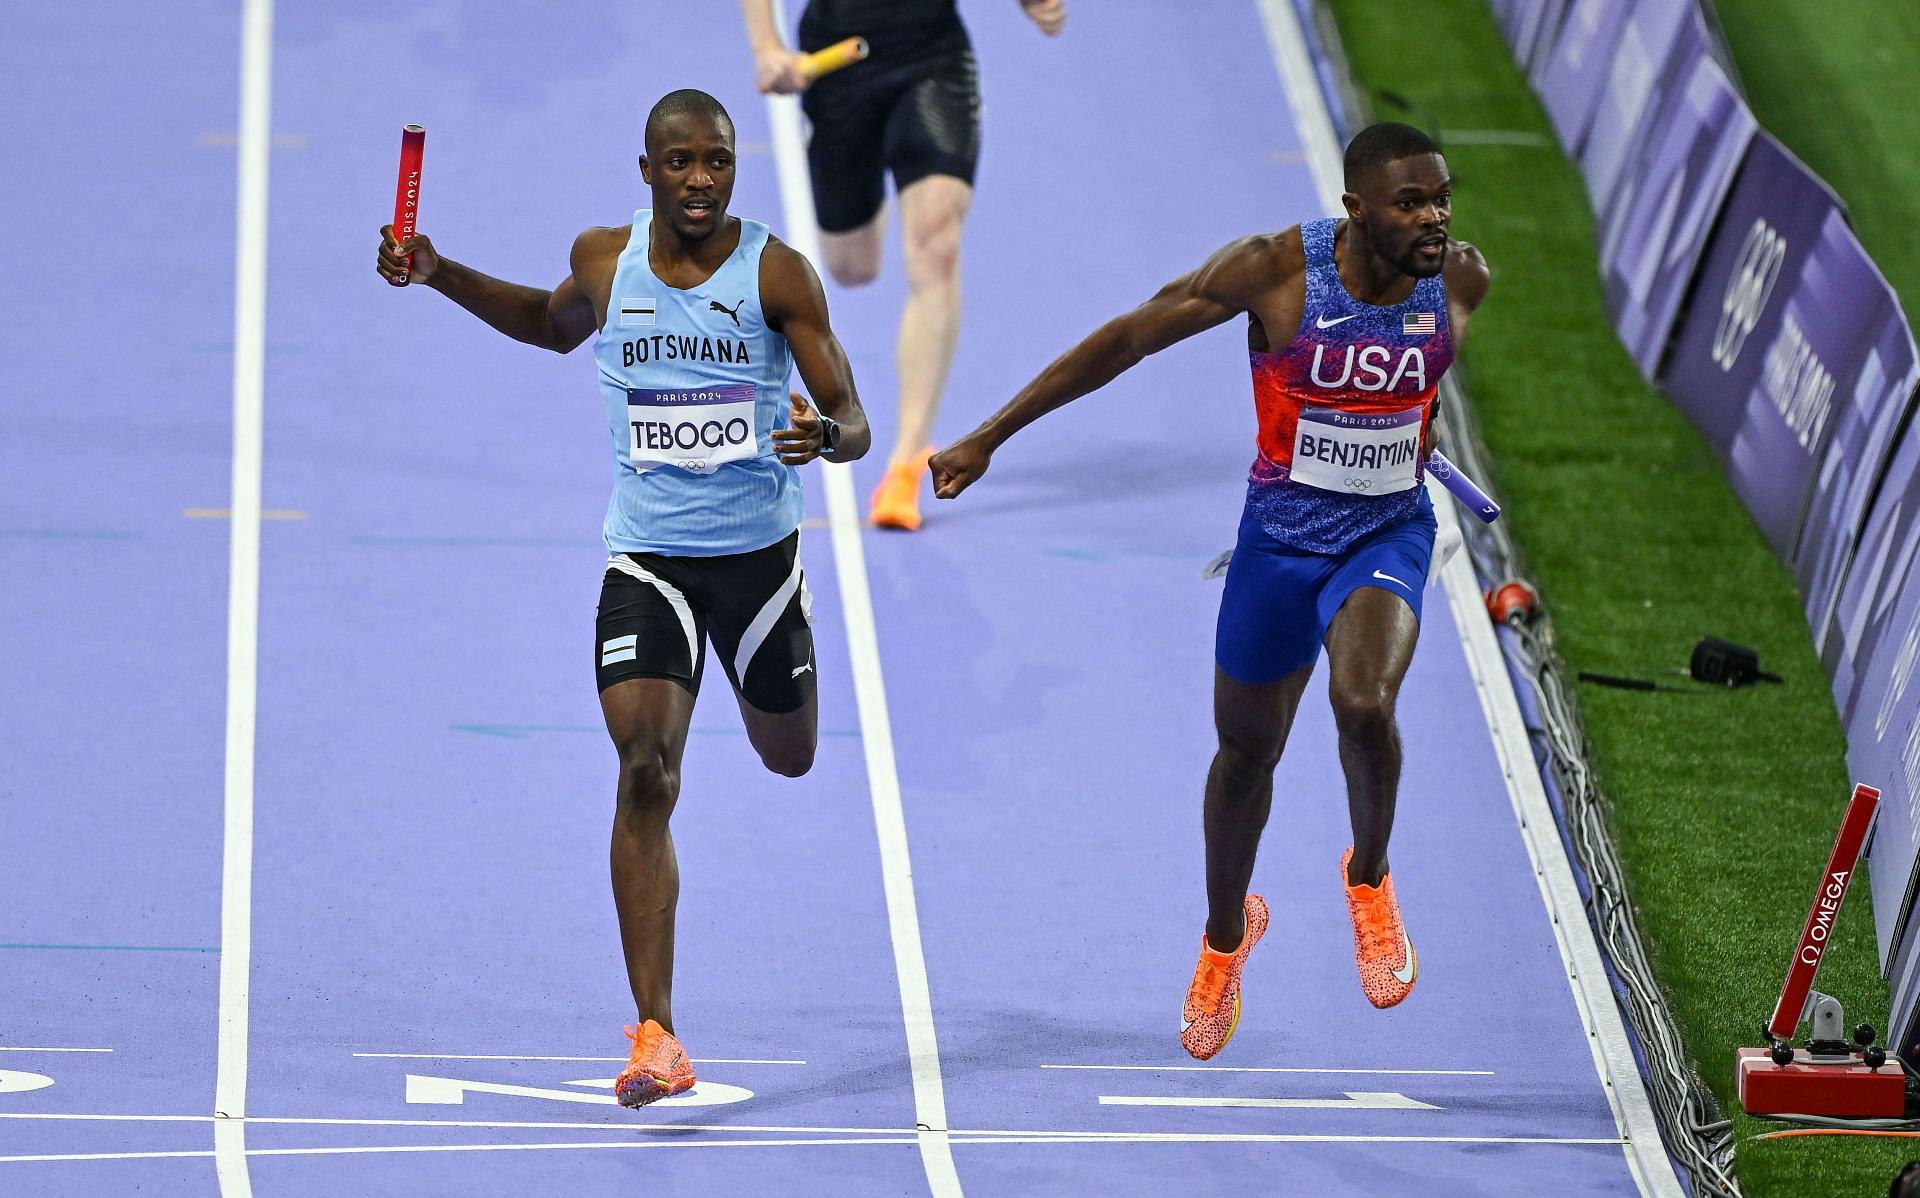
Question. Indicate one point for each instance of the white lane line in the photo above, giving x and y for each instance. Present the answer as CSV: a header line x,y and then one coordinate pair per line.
x,y
105,1156
1276,1069
454,1056
967,1137
1355,1100
375,1149
1613,1060
616,1124
20,1049
963,1137
243,594
876,729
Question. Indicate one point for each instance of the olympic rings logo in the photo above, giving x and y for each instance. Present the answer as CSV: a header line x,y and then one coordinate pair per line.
x,y
1359,484
1755,271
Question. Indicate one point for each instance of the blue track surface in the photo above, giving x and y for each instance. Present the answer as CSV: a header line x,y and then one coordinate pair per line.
x,y
433,788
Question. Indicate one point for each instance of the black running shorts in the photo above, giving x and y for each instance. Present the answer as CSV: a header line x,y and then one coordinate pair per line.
x,y
657,615
915,118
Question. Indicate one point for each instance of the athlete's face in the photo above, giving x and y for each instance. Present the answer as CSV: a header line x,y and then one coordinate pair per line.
x,y
689,164
1405,208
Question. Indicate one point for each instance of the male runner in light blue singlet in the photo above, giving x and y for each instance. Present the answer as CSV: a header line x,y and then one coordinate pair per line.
x,y
1350,324
697,318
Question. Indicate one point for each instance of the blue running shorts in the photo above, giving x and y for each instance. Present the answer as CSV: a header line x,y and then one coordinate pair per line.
x,y
1279,600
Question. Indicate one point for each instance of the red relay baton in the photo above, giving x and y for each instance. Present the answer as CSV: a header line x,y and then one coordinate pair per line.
x,y
406,200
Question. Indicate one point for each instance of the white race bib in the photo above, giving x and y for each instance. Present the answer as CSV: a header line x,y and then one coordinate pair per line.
x,y
698,429
1357,454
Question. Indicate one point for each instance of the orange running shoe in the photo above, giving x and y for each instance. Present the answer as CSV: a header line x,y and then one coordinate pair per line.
x,y
1212,1011
1381,949
896,501
656,1068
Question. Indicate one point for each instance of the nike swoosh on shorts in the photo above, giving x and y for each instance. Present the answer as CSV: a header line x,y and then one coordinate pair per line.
x,y
1390,578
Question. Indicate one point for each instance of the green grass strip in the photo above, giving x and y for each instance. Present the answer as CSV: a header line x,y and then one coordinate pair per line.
x,y
1839,82
1724,803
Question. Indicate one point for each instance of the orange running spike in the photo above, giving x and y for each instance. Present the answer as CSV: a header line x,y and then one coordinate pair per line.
x,y
1381,948
896,501
1212,1009
656,1068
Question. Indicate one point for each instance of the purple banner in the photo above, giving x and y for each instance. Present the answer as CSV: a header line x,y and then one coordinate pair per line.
x,y
1651,247
1571,76
1854,644
1529,27
1660,42
1870,649
1775,318
1867,417
1880,711
1829,320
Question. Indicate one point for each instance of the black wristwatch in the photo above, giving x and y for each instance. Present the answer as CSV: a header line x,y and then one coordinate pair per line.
x,y
829,433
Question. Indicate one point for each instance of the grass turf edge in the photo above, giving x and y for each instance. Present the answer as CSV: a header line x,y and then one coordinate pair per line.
x,y
1723,803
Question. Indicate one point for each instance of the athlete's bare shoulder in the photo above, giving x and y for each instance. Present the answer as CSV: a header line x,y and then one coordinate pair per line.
x,y
592,262
788,284
1265,272
1248,271
599,243
781,256
1467,274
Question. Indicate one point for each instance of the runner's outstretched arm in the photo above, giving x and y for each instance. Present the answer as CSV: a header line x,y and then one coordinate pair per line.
x,y
1223,288
558,320
795,305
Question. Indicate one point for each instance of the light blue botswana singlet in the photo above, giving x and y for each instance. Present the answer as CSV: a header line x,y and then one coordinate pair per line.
x,y
694,384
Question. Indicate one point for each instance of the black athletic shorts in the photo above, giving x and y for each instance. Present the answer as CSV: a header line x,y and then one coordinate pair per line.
x,y
658,613
915,118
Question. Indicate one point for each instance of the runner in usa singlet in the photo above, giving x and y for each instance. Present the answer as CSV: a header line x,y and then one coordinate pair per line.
x,y
1337,535
1344,408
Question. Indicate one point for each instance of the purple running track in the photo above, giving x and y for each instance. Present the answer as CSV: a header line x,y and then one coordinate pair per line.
x,y
433,787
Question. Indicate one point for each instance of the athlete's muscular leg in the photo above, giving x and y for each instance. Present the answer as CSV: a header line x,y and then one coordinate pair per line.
x,y
648,719
1369,647
1252,723
853,257
932,211
785,740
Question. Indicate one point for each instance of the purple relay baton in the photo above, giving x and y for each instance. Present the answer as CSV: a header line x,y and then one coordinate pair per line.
x,y
1463,488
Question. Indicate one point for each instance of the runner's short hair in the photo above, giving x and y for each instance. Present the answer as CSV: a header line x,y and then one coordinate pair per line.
x,y
1377,145
688,101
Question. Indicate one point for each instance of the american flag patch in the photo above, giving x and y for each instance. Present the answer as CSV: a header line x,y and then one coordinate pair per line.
x,y
636,311
1417,324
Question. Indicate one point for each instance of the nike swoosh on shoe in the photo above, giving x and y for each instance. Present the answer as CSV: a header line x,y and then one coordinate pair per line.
x,y
1405,974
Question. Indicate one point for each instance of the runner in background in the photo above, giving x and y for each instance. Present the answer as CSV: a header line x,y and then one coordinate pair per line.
x,y
911,107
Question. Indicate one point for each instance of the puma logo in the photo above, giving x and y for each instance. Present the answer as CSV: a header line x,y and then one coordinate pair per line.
x,y
802,669
733,313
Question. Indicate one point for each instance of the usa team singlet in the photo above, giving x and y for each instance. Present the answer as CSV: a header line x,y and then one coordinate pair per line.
x,y
1344,407
1334,500
694,384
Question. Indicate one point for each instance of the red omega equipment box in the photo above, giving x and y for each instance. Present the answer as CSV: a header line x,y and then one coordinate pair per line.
x,y
1829,1077
1849,1091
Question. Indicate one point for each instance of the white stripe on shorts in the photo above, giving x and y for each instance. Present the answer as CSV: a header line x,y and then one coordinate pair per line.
x,y
756,633
668,592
